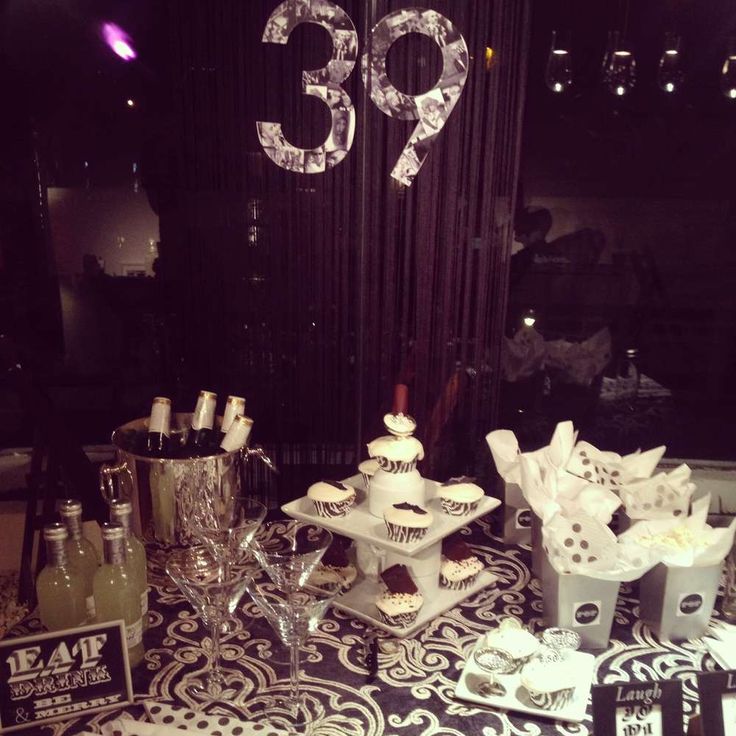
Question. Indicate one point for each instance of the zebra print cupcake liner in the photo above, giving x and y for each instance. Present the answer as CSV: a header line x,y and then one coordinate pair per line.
x,y
458,508
399,620
457,584
331,509
404,534
366,481
397,466
551,701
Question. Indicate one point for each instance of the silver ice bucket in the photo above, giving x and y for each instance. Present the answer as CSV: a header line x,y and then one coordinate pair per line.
x,y
162,489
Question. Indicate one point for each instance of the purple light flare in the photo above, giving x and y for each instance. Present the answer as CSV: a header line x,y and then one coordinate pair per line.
x,y
119,41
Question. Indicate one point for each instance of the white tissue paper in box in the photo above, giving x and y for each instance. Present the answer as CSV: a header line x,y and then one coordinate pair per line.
x,y
689,542
550,493
663,496
581,545
505,450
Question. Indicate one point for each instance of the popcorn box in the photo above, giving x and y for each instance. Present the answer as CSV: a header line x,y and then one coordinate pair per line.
x,y
539,558
579,603
516,515
677,602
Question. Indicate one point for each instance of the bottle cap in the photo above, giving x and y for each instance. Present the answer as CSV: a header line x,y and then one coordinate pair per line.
x,y
401,399
111,532
162,400
120,507
55,532
70,507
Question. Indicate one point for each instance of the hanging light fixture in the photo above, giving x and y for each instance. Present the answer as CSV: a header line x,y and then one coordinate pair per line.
x,y
669,73
728,72
558,74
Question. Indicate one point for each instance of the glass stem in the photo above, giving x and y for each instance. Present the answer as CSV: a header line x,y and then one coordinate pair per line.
x,y
214,679
294,676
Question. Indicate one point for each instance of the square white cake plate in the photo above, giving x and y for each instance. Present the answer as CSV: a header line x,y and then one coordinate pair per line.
x,y
361,525
517,698
360,602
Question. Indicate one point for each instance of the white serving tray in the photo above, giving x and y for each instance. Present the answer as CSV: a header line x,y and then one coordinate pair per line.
x,y
360,602
361,525
516,697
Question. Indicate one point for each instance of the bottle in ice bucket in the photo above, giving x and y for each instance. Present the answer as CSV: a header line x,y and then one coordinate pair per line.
x,y
117,595
234,407
60,586
199,439
238,434
120,513
159,428
80,552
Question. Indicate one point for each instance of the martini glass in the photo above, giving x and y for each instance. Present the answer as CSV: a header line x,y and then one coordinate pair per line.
x,y
288,551
225,523
214,588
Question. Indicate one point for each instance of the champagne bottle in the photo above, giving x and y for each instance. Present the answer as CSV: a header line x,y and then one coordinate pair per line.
x,y
159,426
237,435
116,594
234,407
80,552
203,421
120,512
59,586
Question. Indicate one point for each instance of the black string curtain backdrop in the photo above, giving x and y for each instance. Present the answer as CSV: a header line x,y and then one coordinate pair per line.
x,y
312,294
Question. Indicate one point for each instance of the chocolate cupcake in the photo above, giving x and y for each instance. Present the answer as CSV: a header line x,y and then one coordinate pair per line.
x,y
399,604
335,561
460,496
406,522
459,568
332,498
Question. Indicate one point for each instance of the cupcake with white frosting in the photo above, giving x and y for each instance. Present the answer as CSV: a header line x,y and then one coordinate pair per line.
x,y
550,684
511,637
460,496
406,522
367,470
332,498
399,603
396,454
459,567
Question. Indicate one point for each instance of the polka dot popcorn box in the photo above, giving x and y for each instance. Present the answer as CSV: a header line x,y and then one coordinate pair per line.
x,y
582,568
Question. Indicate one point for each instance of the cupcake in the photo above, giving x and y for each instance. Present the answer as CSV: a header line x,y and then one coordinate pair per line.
x,y
550,684
368,469
516,641
335,562
406,522
399,604
396,454
460,496
459,567
332,498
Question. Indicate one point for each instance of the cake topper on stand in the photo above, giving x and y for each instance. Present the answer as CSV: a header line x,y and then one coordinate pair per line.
x,y
398,422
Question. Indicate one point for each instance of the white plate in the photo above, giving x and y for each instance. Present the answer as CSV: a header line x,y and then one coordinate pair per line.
x,y
516,697
360,601
360,524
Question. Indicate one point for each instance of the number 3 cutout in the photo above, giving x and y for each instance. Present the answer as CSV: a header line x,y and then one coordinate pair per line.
x,y
434,106
323,83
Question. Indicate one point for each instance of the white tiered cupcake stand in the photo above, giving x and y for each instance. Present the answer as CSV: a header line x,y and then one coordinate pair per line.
x,y
376,552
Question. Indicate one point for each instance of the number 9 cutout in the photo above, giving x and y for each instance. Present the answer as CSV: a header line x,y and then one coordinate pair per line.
x,y
323,83
431,109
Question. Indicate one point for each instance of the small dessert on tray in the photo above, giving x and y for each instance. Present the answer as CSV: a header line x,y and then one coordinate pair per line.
x,y
335,561
332,498
459,567
406,522
460,496
399,604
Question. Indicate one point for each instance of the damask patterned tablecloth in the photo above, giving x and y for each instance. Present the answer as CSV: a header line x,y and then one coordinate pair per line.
x,y
413,692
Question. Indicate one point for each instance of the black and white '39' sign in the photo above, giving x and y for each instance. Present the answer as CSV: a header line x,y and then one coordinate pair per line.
x,y
431,109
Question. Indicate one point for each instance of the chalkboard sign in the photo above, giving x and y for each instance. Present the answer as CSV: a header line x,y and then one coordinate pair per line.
x,y
638,709
718,703
63,674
